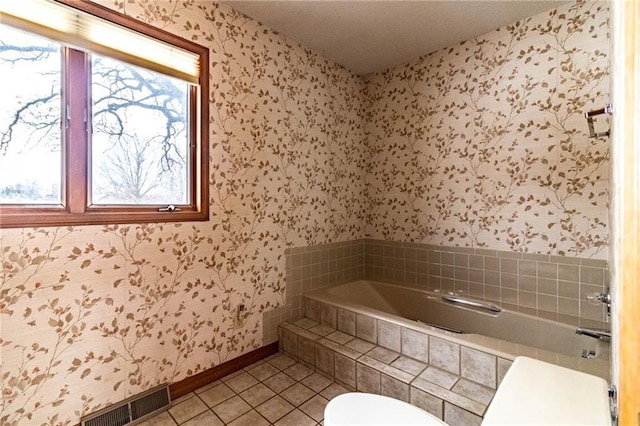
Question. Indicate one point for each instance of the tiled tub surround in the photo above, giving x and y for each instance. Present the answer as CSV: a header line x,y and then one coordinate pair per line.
x,y
509,334
452,376
420,371
552,287
433,309
374,304
311,268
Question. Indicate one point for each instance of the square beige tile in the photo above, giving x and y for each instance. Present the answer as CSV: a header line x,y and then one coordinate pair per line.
x,y
296,418
444,354
288,342
282,362
187,409
329,315
454,415
479,367
307,351
449,396
263,371
333,390
162,419
427,402
474,391
297,394
314,408
569,273
339,337
394,388
389,335
272,357
548,270
360,345
298,371
347,322
275,409
339,349
345,370
206,387
527,267
367,328
231,409
439,377
241,382
322,330
367,379
383,354
251,418
508,265
305,323
312,310
409,365
216,394
206,418
386,369
325,359
257,394
316,382
415,345
189,395
279,382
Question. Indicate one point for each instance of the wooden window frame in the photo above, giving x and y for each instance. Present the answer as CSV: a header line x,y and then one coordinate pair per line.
x,y
76,142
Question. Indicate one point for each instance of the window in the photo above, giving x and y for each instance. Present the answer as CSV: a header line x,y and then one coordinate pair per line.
x,y
103,120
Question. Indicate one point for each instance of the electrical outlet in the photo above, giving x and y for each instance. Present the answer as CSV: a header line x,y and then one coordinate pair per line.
x,y
240,316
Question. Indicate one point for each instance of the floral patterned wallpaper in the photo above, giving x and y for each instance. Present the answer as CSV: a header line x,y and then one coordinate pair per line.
x,y
484,144
481,144
92,315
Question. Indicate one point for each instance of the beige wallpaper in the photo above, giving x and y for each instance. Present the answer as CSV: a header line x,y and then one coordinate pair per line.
x,y
483,144
92,315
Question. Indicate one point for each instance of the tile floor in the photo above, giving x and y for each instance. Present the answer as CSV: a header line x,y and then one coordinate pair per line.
x,y
274,391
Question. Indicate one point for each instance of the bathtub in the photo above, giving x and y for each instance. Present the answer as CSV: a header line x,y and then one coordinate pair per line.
x,y
479,325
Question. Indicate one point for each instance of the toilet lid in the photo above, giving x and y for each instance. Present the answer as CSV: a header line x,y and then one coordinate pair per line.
x,y
368,409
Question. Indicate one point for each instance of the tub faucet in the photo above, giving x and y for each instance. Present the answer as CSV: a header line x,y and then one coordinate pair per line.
x,y
596,333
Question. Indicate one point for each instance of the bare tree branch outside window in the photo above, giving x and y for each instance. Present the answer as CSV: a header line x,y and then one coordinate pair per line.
x,y
140,135
30,118
139,145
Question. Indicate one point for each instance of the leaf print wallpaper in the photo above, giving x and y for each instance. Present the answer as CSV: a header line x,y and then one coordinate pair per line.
x,y
484,144
481,144
92,315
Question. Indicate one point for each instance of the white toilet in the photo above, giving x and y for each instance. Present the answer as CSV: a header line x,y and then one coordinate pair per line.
x,y
532,392
368,409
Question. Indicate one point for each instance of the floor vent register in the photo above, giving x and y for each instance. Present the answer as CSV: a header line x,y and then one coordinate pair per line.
x,y
132,410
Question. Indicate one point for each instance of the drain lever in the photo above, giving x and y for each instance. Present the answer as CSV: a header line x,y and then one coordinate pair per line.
x,y
586,353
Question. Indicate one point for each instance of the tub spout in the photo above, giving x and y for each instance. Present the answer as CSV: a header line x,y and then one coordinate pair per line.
x,y
596,333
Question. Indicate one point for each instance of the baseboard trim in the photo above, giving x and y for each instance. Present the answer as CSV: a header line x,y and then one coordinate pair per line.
x,y
203,378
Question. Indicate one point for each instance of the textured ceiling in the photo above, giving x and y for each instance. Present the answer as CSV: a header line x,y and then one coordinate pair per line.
x,y
370,36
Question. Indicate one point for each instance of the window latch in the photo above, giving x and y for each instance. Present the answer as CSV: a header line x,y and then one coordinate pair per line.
x,y
170,208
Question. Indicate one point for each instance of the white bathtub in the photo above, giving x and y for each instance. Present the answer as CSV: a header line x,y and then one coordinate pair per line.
x,y
506,333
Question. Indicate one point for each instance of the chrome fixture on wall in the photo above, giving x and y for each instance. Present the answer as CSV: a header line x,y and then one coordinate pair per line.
x,y
608,109
596,298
